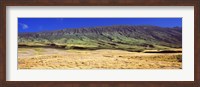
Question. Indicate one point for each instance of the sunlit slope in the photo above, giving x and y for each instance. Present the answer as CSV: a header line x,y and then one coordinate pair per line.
x,y
132,38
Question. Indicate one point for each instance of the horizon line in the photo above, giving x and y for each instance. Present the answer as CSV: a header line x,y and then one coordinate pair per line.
x,y
98,26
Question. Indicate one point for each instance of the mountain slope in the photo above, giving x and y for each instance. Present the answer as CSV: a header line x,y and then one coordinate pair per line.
x,y
115,37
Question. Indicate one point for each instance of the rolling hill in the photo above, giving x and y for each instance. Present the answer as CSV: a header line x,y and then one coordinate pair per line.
x,y
125,37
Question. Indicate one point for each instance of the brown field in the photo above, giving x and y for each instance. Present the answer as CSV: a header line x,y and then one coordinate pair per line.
x,y
50,58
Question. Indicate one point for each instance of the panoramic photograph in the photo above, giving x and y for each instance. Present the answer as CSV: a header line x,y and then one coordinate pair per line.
x,y
99,43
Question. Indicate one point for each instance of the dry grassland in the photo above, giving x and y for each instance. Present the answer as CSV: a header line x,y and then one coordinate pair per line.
x,y
49,58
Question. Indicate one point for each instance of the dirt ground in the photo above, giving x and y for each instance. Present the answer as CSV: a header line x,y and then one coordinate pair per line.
x,y
49,58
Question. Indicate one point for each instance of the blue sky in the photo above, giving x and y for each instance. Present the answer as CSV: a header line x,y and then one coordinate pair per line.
x,y
49,24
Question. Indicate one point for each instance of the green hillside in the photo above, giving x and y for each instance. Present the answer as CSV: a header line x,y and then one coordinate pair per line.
x,y
131,38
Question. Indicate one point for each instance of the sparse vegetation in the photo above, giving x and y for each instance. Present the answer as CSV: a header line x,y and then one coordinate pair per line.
x,y
109,47
52,58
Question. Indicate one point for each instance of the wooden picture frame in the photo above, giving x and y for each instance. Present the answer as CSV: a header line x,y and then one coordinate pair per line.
x,y
4,83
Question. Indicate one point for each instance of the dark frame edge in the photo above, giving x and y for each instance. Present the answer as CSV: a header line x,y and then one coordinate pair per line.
x,y
100,2
3,43
196,43
4,83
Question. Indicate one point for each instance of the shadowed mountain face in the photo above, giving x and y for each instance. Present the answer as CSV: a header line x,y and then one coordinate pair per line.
x,y
119,37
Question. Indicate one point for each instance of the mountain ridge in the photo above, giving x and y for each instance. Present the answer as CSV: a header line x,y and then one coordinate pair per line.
x,y
118,36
